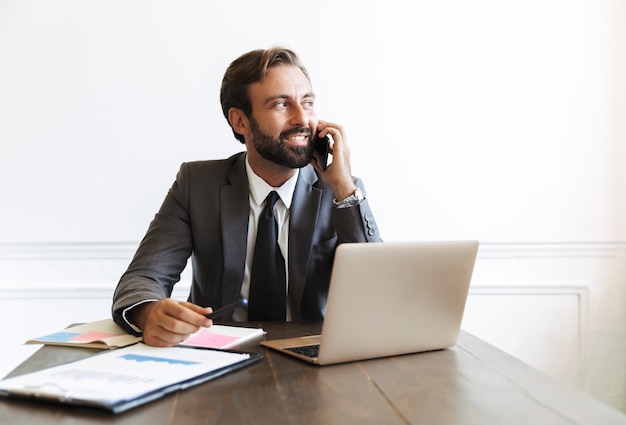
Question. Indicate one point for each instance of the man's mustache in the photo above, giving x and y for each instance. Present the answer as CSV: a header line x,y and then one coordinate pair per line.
x,y
296,130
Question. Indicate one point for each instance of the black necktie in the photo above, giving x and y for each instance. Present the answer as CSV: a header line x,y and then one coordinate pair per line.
x,y
267,298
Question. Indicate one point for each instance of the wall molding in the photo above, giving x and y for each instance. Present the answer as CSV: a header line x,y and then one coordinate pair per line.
x,y
67,250
57,292
550,249
581,327
68,270
96,266
17,250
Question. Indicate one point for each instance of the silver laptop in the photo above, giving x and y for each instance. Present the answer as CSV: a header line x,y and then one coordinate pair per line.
x,y
389,298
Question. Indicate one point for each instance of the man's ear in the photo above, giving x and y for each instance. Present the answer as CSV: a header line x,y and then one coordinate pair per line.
x,y
238,121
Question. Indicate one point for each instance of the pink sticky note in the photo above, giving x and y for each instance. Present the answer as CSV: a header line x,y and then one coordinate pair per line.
x,y
92,336
206,338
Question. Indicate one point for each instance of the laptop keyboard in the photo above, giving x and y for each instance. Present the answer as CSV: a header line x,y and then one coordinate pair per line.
x,y
306,350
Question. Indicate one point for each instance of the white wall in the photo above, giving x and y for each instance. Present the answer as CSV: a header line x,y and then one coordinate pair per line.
x,y
500,121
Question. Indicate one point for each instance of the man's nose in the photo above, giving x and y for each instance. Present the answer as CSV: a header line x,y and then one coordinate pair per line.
x,y
299,116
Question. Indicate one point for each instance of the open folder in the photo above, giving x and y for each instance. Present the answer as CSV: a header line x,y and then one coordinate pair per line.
x,y
121,379
99,334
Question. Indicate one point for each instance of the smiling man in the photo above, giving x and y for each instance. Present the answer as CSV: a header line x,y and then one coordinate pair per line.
x,y
274,191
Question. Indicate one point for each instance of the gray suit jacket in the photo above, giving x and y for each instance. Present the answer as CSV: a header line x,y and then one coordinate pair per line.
x,y
205,216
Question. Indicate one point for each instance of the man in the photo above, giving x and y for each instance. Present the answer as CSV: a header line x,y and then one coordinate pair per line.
x,y
213,209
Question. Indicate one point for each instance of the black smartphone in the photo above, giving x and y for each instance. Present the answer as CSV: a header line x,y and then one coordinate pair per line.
x,y
322,146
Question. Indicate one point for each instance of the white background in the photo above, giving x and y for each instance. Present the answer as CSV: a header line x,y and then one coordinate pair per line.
x,y
500,121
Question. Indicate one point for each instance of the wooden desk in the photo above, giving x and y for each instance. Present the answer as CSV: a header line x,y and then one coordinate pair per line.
x,y
472,383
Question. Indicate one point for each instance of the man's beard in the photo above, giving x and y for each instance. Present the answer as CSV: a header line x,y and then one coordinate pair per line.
x,y
278,151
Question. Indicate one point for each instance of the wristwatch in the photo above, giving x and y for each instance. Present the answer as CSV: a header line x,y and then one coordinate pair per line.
x,y
351,200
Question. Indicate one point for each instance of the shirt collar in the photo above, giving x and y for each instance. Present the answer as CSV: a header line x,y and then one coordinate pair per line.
x,y
259,189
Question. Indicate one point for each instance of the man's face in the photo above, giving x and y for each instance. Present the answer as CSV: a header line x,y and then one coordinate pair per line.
x,y
283,120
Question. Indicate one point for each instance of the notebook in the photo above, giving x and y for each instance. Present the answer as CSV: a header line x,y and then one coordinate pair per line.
x,y
388,299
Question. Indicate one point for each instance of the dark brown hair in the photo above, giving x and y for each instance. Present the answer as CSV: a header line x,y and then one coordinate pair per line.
x,y
250,68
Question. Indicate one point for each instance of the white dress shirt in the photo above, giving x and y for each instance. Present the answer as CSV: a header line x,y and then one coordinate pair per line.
x,y
259,190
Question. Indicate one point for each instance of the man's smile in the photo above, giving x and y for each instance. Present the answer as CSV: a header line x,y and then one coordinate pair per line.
x,y
298,139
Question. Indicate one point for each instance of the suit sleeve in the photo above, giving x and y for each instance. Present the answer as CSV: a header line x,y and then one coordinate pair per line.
x,y
162,254
357,223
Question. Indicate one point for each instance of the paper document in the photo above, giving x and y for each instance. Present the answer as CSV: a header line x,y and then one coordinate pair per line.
x,y
120,379
100,334
221,336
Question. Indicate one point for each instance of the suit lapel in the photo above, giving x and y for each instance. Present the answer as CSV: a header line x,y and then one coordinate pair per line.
x,y
303,216
234,210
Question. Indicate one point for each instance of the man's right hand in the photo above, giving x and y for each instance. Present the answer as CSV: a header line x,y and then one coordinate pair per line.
x,y
168,322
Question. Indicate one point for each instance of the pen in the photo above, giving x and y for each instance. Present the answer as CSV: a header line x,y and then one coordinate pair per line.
x,y
242,301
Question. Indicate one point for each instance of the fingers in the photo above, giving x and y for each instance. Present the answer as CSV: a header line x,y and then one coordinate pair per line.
x,y
338,175
203,311
338,146
336,132
170,322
